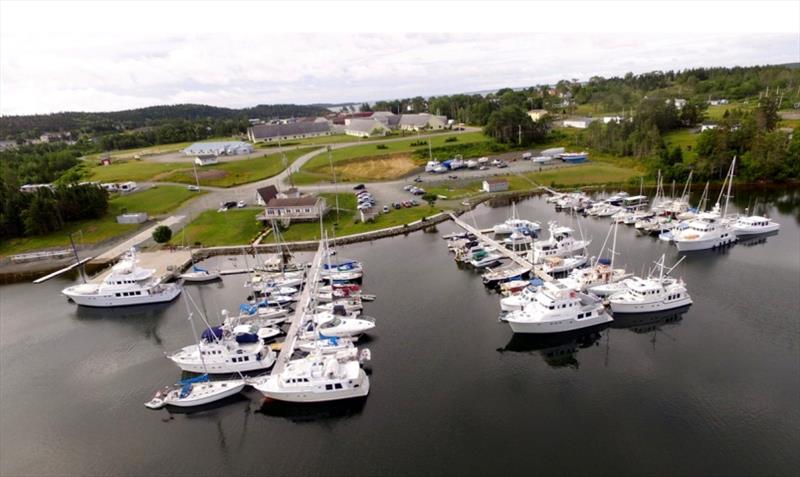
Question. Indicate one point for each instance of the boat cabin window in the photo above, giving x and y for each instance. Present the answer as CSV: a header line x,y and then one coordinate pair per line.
x,y
338,385
329,387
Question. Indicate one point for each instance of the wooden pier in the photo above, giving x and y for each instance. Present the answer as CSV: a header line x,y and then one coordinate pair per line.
x,y
304,307
481,235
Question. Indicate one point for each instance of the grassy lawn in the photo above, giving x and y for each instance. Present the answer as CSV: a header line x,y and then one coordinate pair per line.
x,y
152,150
715,113
224,174
318,168
347,217
212,228
686,139
155,201
228,174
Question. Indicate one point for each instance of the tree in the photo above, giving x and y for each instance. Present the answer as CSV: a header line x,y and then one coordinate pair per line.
x,y
364,108
162,234
429,198
767,113
512,125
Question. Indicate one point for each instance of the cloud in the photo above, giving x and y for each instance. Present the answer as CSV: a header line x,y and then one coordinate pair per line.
x,y
103,71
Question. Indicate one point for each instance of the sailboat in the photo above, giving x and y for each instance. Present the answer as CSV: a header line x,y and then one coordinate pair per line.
x,y
196,391
515,224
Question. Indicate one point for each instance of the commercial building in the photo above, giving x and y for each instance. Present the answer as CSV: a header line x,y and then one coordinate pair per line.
x,y
206,159
495,185
288,131
579,123
303,208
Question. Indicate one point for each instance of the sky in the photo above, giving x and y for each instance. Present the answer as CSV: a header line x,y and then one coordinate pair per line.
x,y
114,55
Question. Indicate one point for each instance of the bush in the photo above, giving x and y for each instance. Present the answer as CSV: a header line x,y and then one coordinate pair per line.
x,y
162,234
382,146
451,139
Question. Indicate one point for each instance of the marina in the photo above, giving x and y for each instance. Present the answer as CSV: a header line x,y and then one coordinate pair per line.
x,y
684,377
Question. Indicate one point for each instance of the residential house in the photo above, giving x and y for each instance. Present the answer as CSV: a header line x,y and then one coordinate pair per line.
x,y
612,119
266,194
226,148
678,102
579,123
303,208
206,159
537,114
285,132
707,126
495,185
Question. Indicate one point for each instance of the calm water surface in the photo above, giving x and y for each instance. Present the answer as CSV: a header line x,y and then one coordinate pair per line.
x,y
712,391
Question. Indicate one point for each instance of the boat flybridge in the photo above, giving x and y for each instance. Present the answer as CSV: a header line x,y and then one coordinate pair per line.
x,y
319,377
557,308
560,243
709,229
126,285
645,295
515,224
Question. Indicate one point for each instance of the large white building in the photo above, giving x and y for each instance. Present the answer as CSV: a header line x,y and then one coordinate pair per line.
x,y
288,131
579,123
365,127
225,148
416,122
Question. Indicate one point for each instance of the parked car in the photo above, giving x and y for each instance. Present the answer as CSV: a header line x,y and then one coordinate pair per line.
x,y
241,204
483,168
418,179
453,177
407,204
386,209
193,188
502,165
397,205
359,187
408,187
496,162
414,202
229,204
419,192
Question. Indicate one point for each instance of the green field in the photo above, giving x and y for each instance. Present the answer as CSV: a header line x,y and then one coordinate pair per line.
x,y
152,150
232,173
318,168
212,228
224,174
686,139
347,216
155,201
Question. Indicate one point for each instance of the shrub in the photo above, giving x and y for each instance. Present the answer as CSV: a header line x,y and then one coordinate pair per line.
x,y
162,234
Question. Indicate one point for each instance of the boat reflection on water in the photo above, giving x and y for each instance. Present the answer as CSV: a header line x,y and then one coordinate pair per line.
x,y
647,322
559,349
756,239
206,409
311,412
143,318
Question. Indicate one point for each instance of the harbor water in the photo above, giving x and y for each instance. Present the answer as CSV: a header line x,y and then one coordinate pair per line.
x,y
712,391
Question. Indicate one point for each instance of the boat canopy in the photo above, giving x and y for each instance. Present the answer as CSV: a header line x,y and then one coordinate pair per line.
x,y
247,338
604,261
195,268
212,334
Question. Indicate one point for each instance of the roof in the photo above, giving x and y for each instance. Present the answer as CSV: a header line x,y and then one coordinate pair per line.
x,y
364,125
496,180
293,202
262,131
267,193
199,147
538,111
419,119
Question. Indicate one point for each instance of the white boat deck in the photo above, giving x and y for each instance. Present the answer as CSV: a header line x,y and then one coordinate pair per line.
x,y
165,263
501,249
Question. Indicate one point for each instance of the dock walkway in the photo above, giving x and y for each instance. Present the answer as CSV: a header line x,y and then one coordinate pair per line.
x,y
500,248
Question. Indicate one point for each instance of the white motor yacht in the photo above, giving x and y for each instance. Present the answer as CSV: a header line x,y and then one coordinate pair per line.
x,y
338,324
554,265
126,285
706,231
222,352
557,308
644,295
560,243
518,301
754,225
597,279
318,378
199,274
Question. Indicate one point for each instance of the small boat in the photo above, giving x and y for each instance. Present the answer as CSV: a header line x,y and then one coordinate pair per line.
x,y
574,157
199,274
560,243
504,274
325,344
553,265
525,296
484,258
195,392
512,287
754,225
338,323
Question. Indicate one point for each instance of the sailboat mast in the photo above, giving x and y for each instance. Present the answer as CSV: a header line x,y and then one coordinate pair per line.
x,y
614,246
730,183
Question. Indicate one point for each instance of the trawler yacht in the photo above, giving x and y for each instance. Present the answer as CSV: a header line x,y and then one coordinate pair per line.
x,y
708,230
224,352
560,243
754,225
644,295
126,285
557,308
319,377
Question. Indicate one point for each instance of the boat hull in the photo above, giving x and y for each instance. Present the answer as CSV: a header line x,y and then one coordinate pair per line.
x,y
235,387
652,307
111,301
200,277
749,232
558,326
703,244
272,390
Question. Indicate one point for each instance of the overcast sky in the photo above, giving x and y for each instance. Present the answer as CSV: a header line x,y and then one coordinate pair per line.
x,y
117,59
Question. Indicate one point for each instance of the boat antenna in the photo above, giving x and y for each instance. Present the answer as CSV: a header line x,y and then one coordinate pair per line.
x,y
676,264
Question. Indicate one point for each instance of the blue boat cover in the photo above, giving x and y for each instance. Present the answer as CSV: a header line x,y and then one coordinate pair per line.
x,y
247,338
604,261
195,268
537,282
212,334
332,339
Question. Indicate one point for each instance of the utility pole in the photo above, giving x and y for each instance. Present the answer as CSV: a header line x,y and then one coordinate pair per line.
x,y
519,135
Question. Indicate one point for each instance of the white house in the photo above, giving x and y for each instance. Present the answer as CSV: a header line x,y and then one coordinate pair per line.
x,y
579,123
226,148
707,126
717,102
495,185
616,119
365,127
415,122
206,160
537,114
678,102
302,208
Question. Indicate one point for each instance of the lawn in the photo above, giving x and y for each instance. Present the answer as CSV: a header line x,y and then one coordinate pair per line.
x,y
212,228
152,150
715,113
224,174
686,139
360,158
232,173
347,216
155,201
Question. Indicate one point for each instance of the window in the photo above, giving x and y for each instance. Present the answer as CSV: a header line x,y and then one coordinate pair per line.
x,y
247,358
328,387
117,294
338,385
